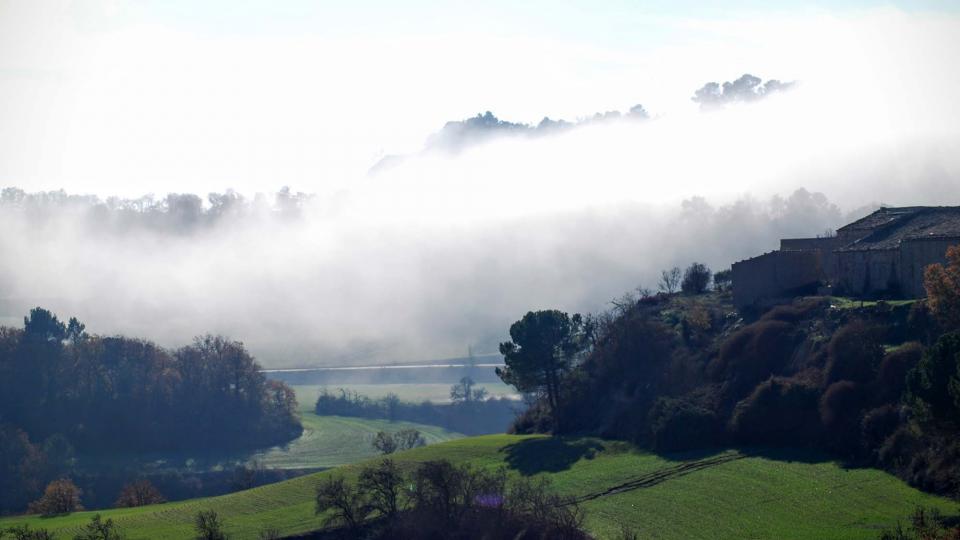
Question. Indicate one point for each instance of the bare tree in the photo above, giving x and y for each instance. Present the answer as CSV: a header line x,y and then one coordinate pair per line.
x,y
464,391
384,485
346,504
384,443
406,439
670,280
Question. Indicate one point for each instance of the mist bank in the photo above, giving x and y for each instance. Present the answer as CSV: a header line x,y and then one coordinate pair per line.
x,y
442,252
308,288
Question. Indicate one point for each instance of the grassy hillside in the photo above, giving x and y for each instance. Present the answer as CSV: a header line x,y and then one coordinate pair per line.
x,y
707,495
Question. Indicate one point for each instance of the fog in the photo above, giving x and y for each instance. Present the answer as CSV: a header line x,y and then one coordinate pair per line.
x,y
442,252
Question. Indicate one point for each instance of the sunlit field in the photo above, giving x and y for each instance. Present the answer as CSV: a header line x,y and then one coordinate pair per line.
x,y
710,495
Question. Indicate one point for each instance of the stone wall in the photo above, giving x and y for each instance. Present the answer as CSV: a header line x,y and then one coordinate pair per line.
x,y
778,274
915,256
868,271
826,246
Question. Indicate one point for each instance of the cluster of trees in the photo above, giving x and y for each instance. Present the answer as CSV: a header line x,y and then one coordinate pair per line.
x,y
746,89
76,392
457,135
470,412
441,500
694,280
877,386
405,439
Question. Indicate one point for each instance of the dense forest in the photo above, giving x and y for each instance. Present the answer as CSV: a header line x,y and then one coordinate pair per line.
x,y
874,383
65,392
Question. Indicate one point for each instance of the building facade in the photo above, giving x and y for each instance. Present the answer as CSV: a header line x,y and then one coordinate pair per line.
x,y
883,254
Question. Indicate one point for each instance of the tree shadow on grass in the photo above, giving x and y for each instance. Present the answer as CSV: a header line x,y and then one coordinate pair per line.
x,y
551,454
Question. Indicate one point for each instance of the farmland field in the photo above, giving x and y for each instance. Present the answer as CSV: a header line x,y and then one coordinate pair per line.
x,y
724,494
329,441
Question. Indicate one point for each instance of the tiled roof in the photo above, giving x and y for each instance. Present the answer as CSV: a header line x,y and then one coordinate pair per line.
x,y
888,227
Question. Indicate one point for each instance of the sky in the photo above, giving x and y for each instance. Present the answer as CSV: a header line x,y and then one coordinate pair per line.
x,y
442,252
138,97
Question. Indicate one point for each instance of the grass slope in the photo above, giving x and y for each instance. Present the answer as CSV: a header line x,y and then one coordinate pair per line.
x,y
711,495
330,441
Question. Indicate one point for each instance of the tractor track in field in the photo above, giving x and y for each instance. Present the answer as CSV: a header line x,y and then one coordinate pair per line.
x,y
659,476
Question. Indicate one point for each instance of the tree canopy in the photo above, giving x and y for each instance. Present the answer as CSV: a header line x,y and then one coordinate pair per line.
x,y
543,348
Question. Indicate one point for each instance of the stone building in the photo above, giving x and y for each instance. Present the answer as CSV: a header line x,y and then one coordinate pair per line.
x,y
882,255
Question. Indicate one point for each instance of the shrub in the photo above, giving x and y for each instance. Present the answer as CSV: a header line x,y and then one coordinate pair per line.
x,y
209,526
98,529
942,284
778,412
798,311
854,353
677,424
696,279
60,497
892,375
24,532
409,438
934,384
877,425
752,355
723,279
840,408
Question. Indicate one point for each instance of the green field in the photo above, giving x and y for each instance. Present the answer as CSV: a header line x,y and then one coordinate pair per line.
x,y
329,441
710,495
436,392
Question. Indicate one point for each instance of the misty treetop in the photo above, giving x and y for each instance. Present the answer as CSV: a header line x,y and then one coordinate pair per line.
x,y
457,135
180,213
746,89
102,394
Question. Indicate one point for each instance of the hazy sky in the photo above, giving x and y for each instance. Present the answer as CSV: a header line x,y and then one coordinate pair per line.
x,y
444,252
155,96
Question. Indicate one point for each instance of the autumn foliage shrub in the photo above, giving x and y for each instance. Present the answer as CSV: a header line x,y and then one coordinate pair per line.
x,y
60,497
942,284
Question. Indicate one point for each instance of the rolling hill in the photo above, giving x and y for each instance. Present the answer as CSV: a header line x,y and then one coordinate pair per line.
x,y
716,494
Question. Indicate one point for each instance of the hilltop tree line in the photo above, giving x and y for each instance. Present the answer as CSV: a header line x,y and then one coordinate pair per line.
x,y
176,213
877,385
459,134
64,392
